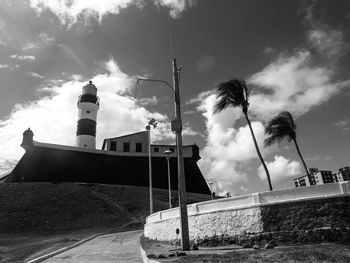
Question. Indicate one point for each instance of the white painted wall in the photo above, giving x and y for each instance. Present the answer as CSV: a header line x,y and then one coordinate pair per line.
x,y
85,141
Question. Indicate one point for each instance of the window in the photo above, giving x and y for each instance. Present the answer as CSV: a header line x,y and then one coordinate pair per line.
x,y
126,147
171,149
113,146
85,145
87,111
138,147
156,149
296,184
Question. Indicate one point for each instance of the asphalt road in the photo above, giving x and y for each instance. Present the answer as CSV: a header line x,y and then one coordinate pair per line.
x,y
119,247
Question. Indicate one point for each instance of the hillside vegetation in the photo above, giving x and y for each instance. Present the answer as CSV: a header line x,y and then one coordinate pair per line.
x,y
47,213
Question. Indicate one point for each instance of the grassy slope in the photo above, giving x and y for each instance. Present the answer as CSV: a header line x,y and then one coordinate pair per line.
x,y
47,213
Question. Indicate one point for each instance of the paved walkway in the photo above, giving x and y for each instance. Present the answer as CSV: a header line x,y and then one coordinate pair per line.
x,y
118,247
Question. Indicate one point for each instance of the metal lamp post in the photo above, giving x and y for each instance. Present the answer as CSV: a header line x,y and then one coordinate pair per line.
x,y
148,128
167,154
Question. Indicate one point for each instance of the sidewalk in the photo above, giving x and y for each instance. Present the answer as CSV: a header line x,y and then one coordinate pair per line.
x,y
323,252
117,247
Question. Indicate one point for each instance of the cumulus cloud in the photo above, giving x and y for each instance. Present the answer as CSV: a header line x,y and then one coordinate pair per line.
x,y
69,12
4,66
23,57
293,83
53,117
229,150
305,78
281,168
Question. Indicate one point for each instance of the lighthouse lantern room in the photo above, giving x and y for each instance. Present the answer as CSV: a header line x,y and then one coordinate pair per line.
x,y
88,105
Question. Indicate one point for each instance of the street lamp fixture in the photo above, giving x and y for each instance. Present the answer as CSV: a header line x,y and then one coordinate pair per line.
x,y
153,123
167,154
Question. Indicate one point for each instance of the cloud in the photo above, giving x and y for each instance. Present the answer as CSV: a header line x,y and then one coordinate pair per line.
x,y
318,158
53,117
176,6
229,150
35,75
327,41
69,12
148,101
281,168
293,83
4,66
42,40
343,125
304,78
23,57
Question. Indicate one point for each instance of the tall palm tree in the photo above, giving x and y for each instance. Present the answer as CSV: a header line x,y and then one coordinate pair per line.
x,y
234,93
283,127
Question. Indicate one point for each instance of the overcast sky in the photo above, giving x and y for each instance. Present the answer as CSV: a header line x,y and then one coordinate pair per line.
x,y
293,54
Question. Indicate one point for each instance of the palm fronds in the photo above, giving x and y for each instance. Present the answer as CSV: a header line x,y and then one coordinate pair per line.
x,y
280,127
233,93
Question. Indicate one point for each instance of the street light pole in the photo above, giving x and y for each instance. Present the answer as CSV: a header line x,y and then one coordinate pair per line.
x,y
148,128
177,127
167,154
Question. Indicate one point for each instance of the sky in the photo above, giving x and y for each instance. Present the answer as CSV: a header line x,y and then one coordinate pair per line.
x,y
294,56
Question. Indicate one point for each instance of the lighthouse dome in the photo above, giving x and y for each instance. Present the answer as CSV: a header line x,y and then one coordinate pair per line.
x,y
90,89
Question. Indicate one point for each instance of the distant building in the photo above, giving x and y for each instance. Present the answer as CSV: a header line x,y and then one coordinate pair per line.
x,y
343,174
324,177
318,177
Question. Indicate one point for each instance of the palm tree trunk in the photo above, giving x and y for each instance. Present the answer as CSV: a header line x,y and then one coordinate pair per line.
x,y
258,151
301,157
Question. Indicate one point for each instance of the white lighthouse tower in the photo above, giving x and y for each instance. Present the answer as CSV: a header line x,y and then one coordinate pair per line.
x,y
88,105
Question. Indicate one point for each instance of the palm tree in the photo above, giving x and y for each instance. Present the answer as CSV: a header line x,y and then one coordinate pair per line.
x,y
234,93
283,127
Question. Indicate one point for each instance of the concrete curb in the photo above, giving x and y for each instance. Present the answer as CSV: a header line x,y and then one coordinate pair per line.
x,y
145,259
54,253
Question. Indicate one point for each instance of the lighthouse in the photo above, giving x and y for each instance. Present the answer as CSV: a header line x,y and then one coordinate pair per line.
x,y
88,105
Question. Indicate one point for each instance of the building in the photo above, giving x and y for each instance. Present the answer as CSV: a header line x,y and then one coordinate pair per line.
x,y
318,177
302,181
122,160
343,174
324,177
88,105
137,144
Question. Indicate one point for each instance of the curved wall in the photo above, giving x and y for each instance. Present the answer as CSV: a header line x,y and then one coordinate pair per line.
x,y
281,211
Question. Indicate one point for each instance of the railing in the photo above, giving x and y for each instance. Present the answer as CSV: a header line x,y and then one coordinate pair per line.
x,y
257,199
89,98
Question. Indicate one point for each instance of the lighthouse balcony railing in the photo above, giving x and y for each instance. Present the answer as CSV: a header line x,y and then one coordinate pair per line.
x,y
89,98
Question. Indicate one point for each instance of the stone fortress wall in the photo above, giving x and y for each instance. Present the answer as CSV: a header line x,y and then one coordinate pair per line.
x,y
316,213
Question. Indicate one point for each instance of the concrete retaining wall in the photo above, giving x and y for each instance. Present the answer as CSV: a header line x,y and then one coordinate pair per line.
x,y
298,209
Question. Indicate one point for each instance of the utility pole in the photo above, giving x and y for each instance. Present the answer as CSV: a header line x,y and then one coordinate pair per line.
x,y
176,126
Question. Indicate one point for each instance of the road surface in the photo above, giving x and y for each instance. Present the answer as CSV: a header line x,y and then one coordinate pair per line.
x,y
118,247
